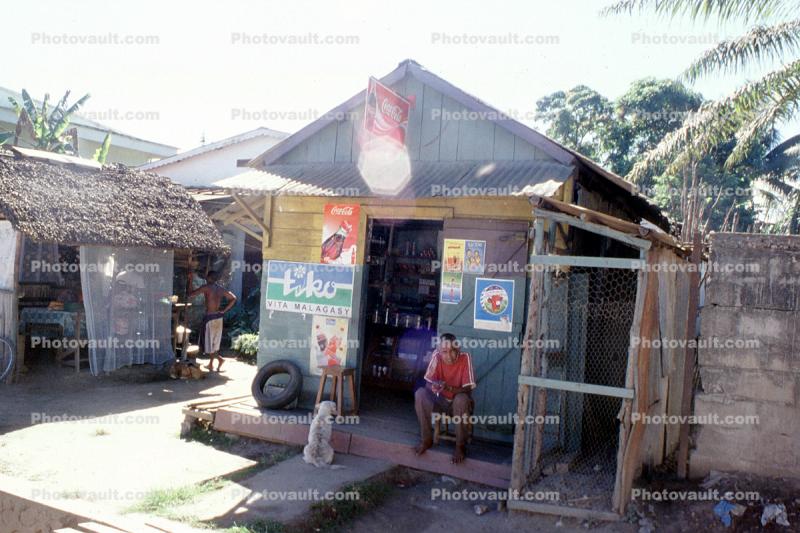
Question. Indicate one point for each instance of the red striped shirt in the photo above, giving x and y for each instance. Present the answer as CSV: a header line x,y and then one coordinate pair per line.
x,y
458,374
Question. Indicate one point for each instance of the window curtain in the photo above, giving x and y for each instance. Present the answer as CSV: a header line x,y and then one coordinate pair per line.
x,y
128,313
39,262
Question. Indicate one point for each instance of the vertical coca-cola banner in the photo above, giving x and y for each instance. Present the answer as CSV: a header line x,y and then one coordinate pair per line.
x,y
340,234
386,112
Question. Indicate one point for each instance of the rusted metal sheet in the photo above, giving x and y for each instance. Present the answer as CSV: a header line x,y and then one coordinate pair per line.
x,y
428,179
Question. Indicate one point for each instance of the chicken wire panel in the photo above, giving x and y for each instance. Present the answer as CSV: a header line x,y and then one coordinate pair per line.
x,y
587,314
587,318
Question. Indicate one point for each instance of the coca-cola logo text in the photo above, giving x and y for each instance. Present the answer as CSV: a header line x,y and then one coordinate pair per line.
x,y
392,110
342,210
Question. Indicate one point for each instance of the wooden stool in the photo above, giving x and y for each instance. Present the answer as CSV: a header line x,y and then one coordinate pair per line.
x,y
338,374
441,431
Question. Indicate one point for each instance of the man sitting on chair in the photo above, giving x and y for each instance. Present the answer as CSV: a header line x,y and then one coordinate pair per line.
x,y
449,383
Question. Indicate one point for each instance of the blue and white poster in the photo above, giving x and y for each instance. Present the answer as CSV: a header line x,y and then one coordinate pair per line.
x,y
310,288
494,304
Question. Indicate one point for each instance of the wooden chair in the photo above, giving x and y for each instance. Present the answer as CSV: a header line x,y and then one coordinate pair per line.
x,y
338,375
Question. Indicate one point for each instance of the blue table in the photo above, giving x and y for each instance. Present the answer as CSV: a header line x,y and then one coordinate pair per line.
x,y
36,316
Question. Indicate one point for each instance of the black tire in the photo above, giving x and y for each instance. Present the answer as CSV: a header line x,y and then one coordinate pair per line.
x,y
7,354
288,395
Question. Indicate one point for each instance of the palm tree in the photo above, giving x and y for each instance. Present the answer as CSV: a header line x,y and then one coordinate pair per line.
x,y
755,108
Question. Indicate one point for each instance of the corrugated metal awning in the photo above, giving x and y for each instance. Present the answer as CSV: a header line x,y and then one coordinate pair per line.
x,y
427,179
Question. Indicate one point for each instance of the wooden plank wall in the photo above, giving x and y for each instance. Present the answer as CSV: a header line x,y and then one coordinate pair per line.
x,y
439,129
658,372
297,220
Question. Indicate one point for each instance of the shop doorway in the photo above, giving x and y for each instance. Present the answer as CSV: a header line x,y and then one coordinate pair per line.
x,y
402,312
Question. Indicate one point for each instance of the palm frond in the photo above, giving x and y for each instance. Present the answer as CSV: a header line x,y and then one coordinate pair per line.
x,y
775,101
743,114
723,10
697,136
762,43
788,147
780,184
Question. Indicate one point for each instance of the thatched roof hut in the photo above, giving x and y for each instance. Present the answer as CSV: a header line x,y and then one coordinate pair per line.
x,y
77,202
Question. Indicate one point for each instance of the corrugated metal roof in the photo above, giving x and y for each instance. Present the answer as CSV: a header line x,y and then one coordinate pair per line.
x,y
428,179
210,147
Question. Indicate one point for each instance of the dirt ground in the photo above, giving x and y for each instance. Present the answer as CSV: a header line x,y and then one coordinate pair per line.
x,y
416,504
114,440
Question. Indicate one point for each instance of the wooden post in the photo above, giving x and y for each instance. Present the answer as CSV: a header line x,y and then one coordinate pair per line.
x,y
267,221
624,415
518,474
641,369
688,365
540,370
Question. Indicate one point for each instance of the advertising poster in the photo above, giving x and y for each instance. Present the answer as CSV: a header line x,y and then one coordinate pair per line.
x,y
310,288
386,112
494,304
474,257
453,255
451,287
340,234
328,343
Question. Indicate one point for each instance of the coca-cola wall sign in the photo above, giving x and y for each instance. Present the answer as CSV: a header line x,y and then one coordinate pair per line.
x,y
310,288
340,226
386,112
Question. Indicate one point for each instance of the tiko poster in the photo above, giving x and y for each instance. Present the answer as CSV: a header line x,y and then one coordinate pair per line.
x,y
494,304
328,343
340,234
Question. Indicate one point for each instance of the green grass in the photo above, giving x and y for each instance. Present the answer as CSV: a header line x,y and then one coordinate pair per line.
x,y
211,437
160,501
258,526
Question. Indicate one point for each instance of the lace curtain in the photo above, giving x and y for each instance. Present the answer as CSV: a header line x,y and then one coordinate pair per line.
x,y
128,314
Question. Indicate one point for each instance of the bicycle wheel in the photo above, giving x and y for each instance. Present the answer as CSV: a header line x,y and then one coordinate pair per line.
x,y
7,353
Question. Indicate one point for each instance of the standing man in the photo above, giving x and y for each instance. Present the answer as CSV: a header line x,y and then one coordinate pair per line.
x,y
211,331
448,390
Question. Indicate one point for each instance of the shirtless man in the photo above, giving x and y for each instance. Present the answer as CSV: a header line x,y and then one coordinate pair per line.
x,y
211,333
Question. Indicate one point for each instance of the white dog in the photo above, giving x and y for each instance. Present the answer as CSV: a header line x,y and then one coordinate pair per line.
x,y
318,451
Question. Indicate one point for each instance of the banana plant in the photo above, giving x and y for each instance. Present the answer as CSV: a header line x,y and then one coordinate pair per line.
x,y
48,127
102,152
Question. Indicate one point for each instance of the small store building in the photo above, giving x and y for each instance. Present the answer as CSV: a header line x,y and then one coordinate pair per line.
x,y
91,256
478,225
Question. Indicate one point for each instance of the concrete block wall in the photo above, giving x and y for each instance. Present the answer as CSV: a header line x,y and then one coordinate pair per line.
x,y
749,357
